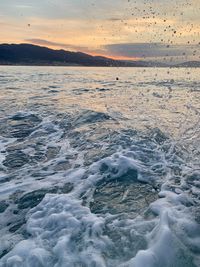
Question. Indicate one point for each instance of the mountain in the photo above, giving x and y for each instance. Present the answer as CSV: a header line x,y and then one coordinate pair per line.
x,y
28,54
189,64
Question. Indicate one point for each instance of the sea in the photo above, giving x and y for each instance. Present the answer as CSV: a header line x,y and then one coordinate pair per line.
x,y
99,167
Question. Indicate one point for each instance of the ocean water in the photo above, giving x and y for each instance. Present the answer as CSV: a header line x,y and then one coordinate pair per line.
x,y
99,167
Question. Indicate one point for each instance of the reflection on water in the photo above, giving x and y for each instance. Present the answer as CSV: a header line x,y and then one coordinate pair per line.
x,y
99,171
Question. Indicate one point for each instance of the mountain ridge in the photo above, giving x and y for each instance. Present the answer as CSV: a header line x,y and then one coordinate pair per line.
x,y
34,55
14,54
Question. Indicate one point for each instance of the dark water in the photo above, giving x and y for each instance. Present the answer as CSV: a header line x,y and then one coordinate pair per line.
x,y
96,171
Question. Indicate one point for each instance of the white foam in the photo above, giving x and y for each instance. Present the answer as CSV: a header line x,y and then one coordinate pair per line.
x,y
64,233
4,142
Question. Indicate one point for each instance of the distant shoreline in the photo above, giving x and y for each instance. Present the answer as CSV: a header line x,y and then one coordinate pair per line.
x,y
85,66
33,55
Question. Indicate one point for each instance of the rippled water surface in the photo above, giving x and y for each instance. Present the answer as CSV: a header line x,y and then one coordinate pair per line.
x,y
99,167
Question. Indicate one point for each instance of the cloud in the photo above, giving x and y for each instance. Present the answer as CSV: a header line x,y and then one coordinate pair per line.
x,y
147,51
56,44
115,28
151,50
62,9
95,33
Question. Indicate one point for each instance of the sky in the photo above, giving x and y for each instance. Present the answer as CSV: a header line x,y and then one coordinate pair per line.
x,y
163,30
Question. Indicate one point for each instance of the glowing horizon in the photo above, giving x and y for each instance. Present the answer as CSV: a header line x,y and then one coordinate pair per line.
x,y
106,28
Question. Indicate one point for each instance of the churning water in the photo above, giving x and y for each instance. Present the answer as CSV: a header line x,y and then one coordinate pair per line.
x,y
97,171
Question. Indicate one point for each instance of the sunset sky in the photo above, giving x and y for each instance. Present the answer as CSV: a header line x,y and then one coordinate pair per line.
x,y
125,29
